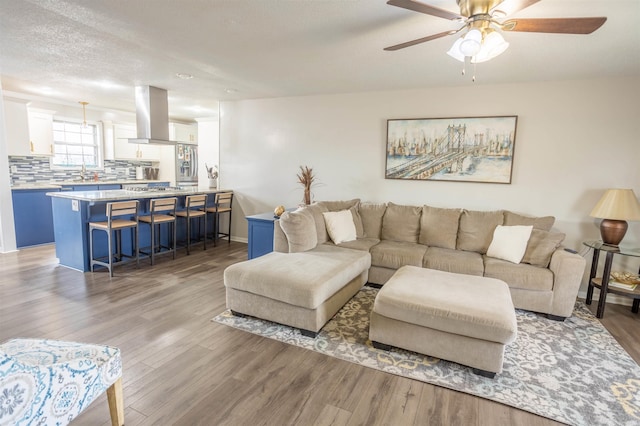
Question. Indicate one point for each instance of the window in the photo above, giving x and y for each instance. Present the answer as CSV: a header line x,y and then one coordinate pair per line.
x,y
75,144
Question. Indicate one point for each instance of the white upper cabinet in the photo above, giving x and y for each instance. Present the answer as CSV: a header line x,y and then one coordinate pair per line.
x,y
41,132
29,131
17,127
184,133
123,150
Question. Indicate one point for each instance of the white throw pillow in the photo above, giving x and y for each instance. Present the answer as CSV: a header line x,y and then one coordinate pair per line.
x,y
509,242
340,226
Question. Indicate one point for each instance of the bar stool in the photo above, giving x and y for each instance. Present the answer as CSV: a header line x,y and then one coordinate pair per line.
x,y
162,210
194,205
114,225
221,204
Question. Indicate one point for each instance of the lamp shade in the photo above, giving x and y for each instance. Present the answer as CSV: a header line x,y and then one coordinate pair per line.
x,y
618,204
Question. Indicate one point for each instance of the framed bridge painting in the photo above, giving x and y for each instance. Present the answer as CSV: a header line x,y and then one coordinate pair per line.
x,y
471,149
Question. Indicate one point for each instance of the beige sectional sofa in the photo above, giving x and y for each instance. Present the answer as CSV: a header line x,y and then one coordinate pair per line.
x,y
546,279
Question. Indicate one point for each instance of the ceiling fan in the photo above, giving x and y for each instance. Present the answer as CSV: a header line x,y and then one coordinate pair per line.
x,y
484,19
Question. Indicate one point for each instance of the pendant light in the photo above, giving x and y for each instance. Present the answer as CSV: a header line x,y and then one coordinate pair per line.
x,y
84,113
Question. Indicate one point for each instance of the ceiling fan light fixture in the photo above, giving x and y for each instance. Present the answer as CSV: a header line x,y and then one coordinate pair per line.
x,y
472,42
455,52
493,45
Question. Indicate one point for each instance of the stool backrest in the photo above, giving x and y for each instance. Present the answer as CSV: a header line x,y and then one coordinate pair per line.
x,y
159,205
223,200
196,201
122,208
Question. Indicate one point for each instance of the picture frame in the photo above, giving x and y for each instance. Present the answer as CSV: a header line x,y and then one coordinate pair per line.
x,y
459,149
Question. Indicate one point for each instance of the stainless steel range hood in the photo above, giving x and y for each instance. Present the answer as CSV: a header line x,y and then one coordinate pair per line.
x,y
152,116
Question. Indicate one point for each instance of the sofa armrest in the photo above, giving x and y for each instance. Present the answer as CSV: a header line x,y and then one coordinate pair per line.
x,y
568,270
280,242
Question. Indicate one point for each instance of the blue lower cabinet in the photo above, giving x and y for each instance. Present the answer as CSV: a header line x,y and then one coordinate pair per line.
x,y
260,234
33,216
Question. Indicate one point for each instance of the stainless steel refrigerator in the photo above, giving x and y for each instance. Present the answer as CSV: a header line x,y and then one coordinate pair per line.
x,y
186,165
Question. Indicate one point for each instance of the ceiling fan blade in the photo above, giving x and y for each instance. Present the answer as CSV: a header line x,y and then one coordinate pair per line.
x,y
555,25
425,8
509,7
420,40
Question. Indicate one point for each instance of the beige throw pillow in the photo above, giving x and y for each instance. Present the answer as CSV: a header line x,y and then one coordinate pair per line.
x,y
401,223
476,230
439,227
357,221
340,226
509,242
543,223
541,246
300,229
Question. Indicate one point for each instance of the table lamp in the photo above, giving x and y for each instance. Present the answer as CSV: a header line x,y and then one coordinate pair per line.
x,y
614,208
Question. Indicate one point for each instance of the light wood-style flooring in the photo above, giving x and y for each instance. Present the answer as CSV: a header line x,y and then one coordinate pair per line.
x,y
181,368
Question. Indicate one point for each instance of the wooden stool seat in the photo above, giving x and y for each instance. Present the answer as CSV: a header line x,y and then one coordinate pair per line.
x,y
194,209
162,211
115,224
221,204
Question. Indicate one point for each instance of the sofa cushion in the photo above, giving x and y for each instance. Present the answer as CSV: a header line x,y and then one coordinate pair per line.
x,y
509,242
357,221
300,279
521,276
300,229
340,226
364,244
476,229
401,223
439,227
371,215
458,261
336,206
321,230
541,246
543,223
394,254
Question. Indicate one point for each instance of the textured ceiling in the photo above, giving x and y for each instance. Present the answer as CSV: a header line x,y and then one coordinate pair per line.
x,y
97,50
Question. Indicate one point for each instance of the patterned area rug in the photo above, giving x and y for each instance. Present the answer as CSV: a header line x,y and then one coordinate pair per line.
x,y
572,371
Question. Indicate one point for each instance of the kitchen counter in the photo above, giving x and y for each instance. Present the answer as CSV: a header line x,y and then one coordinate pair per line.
x,y
125,194
54,185
73,210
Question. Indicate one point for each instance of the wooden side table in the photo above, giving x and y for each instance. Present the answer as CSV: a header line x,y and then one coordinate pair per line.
x,y
602,282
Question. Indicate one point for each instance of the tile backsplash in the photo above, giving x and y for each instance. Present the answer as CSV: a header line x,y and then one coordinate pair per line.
x,y
38,169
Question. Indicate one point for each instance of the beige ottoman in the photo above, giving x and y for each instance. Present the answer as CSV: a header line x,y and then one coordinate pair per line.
x,y
461,318
302,290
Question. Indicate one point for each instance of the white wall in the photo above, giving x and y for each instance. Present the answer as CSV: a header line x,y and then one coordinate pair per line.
x,y
574,139
208,146
7,231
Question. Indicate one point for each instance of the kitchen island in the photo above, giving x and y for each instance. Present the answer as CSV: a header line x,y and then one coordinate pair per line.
x,y
73,210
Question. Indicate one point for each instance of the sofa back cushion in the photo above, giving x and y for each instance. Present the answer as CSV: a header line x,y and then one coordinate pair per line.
x,y
476,229
541,246
300,229
371,215
316,211
439,227
542,223
401,223
336,206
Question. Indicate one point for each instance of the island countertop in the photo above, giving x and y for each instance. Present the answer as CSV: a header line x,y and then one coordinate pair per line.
x,y
125,194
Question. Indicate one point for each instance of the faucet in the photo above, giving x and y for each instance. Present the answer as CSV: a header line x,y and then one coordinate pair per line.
x,y
83,171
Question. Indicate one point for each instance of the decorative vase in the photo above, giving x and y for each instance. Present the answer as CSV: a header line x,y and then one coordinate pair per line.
x,y
307,196
213,183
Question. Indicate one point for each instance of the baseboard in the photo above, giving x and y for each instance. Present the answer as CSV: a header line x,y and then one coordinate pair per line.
x,y
614,299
